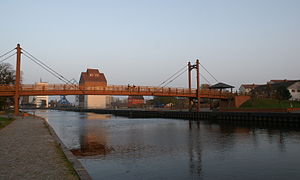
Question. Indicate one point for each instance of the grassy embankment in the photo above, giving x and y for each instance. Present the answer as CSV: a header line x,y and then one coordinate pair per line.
x,y
5,121
270,103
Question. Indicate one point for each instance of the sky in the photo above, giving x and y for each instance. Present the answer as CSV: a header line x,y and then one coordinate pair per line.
x,y
144,42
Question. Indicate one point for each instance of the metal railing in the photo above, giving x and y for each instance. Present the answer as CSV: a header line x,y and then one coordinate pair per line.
x,y
114,89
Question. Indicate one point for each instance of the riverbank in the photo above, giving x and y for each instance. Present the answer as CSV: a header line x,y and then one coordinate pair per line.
x,y
29,151
258,118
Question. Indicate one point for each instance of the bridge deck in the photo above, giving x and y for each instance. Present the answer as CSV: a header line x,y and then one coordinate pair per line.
x,y
68,89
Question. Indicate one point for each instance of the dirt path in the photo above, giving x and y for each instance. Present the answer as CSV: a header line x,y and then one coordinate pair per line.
x,y
28,151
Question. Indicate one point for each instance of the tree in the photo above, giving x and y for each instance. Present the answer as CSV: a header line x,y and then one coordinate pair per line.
x,y
283,93
7,76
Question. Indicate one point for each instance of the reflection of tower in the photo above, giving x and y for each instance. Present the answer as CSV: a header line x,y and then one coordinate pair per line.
x,y
195,148
93,136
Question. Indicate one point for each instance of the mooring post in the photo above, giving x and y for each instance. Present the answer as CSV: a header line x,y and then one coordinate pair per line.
x,y
18,79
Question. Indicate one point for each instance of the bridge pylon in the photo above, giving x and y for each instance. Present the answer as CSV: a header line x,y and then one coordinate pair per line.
x,y
18,80
194,103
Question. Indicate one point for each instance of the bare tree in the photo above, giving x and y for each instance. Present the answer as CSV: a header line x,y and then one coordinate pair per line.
x,y
7,74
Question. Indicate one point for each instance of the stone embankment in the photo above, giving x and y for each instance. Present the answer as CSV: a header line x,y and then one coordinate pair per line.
x,y
252,118
29,151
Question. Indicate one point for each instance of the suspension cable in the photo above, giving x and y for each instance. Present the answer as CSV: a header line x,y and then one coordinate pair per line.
x,y
49,68
209,73
205,78
171,76
8,57
51,71
45,68
7,53
175,78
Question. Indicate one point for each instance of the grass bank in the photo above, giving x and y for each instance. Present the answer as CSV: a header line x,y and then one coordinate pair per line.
x,y
270,103
5,121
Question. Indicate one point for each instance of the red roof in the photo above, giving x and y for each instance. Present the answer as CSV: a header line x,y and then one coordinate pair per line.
x,y
92,75
280,81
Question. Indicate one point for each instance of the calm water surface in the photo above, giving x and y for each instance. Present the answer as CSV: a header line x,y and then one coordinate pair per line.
x,y
123,148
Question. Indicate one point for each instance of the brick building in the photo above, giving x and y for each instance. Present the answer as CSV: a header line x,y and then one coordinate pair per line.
x,y
93,78
135,101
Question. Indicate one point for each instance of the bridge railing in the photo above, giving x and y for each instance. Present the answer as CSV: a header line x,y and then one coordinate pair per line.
x,y
115,89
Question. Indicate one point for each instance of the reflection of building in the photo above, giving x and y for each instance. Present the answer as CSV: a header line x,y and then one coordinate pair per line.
x,y
135,101
93,140
92,78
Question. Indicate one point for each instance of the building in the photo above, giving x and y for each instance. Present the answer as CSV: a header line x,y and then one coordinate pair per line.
x,y
222,87
93,78
280,81
135,101
247,88
295,90
36,101
269,90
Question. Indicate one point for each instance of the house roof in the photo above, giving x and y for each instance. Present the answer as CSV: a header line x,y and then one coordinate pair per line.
x,y
250,86
276,85
221,86
281,81
92,75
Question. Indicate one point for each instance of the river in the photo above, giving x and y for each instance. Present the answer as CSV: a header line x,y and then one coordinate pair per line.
x,y
111,147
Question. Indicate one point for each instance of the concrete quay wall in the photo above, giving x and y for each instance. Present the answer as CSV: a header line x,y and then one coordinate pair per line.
x,y
264,118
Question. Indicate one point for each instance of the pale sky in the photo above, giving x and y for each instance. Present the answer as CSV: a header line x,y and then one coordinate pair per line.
x,y
143,42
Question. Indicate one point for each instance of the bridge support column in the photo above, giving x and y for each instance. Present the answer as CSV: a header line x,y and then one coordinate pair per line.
x,y
195,101
190,84
18,80
198,85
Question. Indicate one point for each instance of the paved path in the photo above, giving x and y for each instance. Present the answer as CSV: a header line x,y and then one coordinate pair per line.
x,y
28,151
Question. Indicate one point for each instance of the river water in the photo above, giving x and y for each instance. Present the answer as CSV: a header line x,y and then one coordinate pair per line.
x,y
113,148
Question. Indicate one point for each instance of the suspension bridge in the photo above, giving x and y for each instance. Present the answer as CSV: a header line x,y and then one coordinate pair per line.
x,y
70,87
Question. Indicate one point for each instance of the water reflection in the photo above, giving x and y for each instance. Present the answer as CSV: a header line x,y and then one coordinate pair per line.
x,y
194,144
93,140
120,148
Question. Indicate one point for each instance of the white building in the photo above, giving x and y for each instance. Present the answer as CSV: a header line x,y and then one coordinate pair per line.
x,y
295,91
247,88
40,101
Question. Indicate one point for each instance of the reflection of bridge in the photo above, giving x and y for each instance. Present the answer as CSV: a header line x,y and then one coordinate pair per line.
x,y
69,88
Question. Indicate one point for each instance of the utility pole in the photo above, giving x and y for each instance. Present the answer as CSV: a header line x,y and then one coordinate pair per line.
x,y
18,79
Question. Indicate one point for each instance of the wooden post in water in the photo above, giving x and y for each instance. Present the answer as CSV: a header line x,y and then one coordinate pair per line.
x,y
18,79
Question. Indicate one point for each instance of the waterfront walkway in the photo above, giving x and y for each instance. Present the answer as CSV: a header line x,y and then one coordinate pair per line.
x,y
28,151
